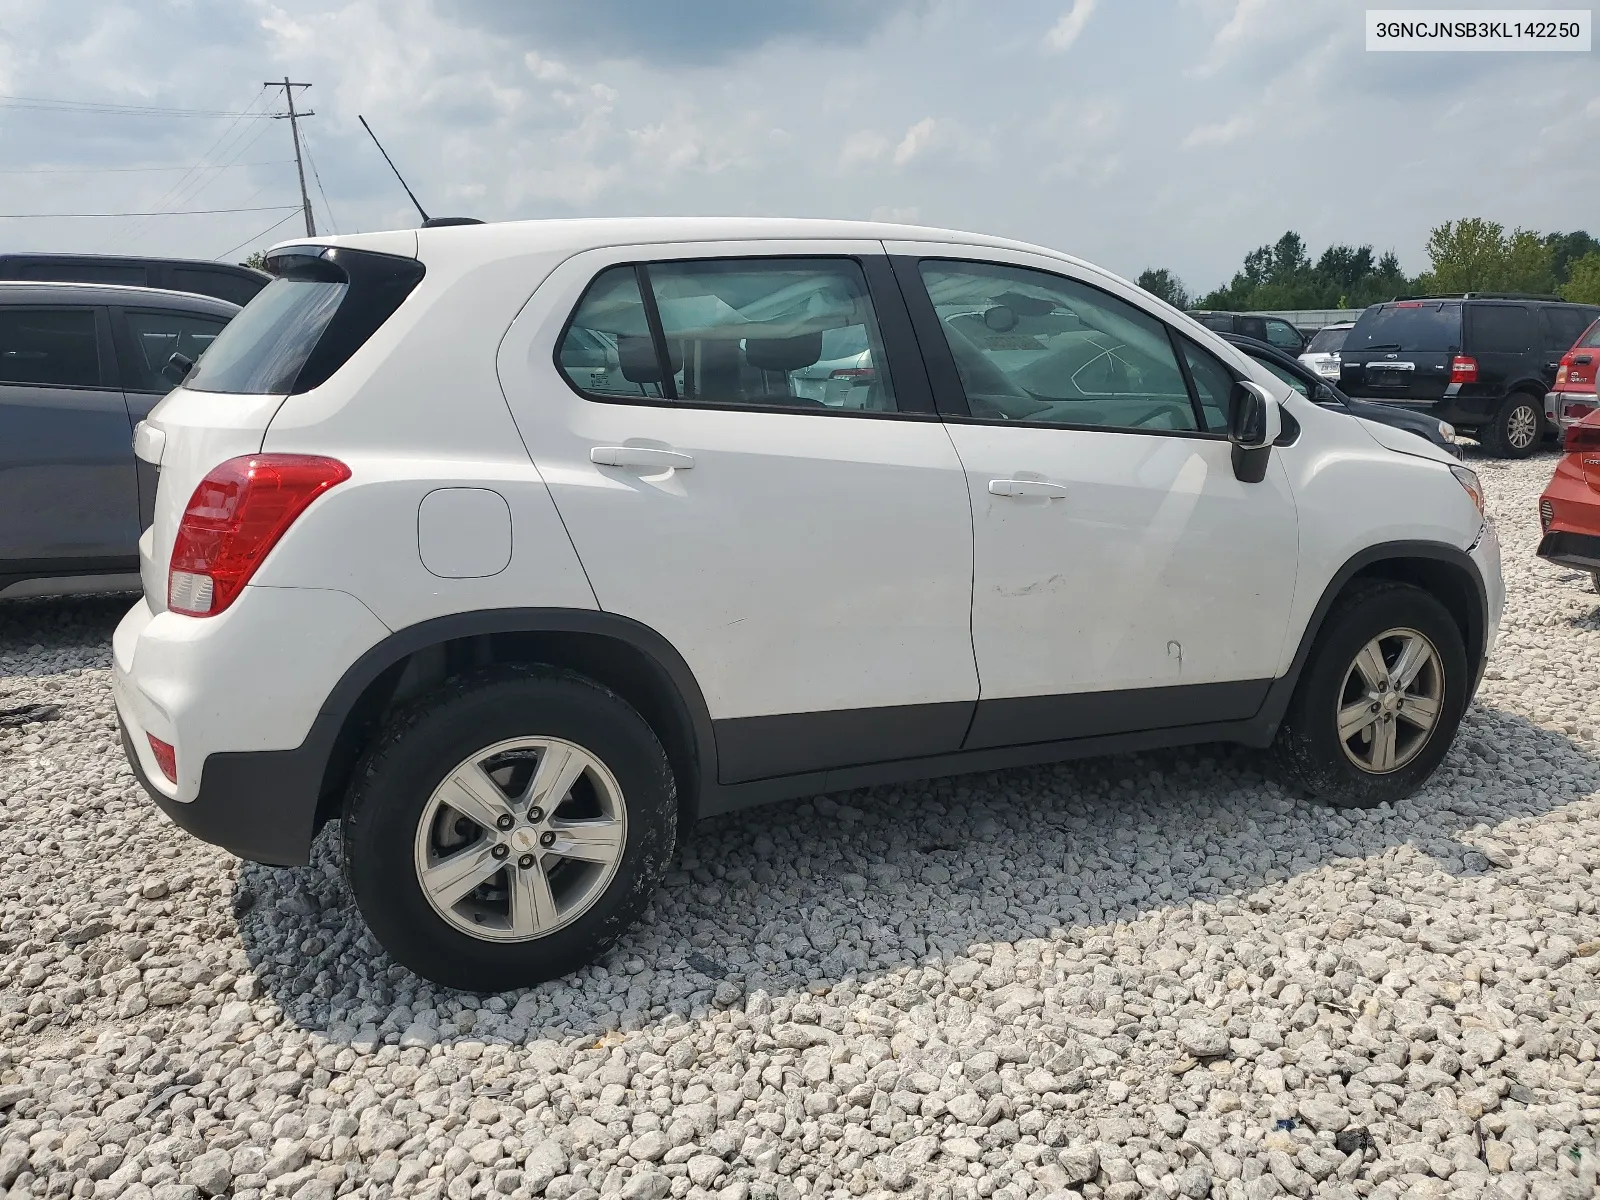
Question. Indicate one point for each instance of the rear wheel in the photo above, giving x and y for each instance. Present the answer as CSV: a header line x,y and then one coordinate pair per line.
x,y
508,828
1380,699
1516,427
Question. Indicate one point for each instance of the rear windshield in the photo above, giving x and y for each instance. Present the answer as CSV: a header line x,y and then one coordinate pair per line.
x,y
1327,341
1407,326
319,309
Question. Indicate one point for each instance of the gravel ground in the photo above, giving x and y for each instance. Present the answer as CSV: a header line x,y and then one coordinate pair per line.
x,y
1143,976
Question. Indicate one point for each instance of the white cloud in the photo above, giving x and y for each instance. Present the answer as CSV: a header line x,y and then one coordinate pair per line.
x,y
1065,31
916,141
1221,133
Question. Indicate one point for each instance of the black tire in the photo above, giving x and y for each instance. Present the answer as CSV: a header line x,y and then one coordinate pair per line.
x,y
424,744
1308,746
1594,580
1506,435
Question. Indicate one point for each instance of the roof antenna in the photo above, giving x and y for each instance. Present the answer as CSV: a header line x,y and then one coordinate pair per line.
x,y
427,221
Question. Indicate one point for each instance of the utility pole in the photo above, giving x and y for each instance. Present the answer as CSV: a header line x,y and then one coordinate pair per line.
x,y
294,130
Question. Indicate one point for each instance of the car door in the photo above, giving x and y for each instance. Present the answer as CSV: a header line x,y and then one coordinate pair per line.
x,y
811,561
67,487
1124,579
1501,339
145,339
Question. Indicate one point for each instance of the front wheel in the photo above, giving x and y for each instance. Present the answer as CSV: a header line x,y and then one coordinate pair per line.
x,y
1380,699
508,828
1516,427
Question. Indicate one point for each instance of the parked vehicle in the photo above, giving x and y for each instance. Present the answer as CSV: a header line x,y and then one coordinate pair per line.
x,y
518,630
1482,361
1322,351
226,281
1275,331
1572,396
1295,373
1569,509
79,366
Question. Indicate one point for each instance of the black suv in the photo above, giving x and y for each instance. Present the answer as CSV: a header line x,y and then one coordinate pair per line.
x,y
1274,331
1482,361
226,281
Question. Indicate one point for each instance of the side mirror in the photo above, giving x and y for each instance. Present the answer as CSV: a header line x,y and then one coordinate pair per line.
x,y
178,367
1254,423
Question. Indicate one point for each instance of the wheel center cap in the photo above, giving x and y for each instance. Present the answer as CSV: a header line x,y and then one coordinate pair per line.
x,y
1390,701
524,840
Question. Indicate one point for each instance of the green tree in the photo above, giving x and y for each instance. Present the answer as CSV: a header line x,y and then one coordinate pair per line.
x,y
257,260
1283,276
1476,255
1583,281
1162,282
1566,249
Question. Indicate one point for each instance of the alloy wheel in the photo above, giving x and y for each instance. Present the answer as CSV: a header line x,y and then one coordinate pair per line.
x,y
1522,426
1391,701
520,839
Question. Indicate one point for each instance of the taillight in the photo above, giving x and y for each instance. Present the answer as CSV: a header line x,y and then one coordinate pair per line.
x,y
1463,369
852,373
234,518
166,757
1561,371
1581,438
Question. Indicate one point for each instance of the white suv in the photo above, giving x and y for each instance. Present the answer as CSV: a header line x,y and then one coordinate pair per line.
x,y
419,563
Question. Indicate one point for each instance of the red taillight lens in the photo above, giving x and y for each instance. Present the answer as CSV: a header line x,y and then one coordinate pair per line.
x,y
234,518
166,757
1561,370
1581,439
1463,369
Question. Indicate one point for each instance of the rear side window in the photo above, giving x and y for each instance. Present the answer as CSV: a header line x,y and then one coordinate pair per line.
x,y
794,333
1282,334
1501,329
1562,327
69,271
1327,341
51,347
157,336
1221,322
320,308
224,285
1409,325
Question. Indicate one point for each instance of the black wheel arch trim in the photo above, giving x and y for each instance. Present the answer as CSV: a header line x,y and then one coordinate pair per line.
x,y
1278,696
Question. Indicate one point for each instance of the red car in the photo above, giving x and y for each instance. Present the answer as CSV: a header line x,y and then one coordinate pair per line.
x,y
1573,395
1569,510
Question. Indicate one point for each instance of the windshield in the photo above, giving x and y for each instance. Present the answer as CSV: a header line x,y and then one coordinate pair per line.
x,y
1408,325
1592,337
263,348
1327,341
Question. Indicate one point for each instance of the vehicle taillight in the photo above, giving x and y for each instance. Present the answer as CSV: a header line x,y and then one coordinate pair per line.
x,y
1581,438
234,518
1463,369
852,373
166,757
1561,370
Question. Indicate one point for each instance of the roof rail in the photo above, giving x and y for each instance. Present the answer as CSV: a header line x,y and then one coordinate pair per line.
x,y
1480,296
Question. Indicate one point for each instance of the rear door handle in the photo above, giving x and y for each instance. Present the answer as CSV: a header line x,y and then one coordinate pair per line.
x,y
640,456
1027,487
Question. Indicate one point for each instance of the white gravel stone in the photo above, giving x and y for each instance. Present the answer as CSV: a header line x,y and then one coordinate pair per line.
x,y
1154,975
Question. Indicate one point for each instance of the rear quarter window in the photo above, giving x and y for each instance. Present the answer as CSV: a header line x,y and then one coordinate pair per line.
x,y
1327,341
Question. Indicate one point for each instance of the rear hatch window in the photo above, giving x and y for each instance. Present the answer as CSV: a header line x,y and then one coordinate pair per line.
x,y
1327,341
1402,351
320,308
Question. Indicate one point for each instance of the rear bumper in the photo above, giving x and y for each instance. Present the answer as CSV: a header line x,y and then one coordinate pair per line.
x,y
237,696
1556,407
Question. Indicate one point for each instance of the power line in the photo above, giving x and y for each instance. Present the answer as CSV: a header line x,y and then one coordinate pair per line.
x,y
186,212
108,108
317,175
257,237
273,162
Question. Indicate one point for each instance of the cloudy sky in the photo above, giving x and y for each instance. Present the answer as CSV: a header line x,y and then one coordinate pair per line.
x,y
1132,132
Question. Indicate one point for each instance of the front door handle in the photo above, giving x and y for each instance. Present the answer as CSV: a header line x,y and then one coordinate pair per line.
x,y
647,457
1027,487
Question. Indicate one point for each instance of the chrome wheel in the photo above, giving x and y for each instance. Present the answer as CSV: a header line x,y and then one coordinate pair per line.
x,y
1391,700
520,839
1522,426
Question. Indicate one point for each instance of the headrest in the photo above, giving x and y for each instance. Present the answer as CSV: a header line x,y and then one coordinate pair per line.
x,y
636,354
783,354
